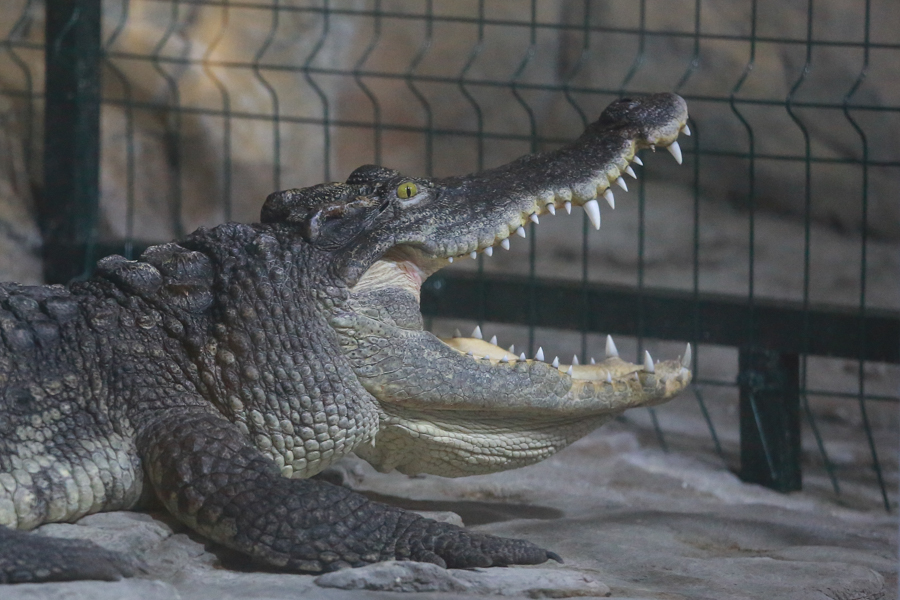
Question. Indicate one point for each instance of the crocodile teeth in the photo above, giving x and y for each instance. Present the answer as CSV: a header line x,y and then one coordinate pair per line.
x,y
456,333
505,359
610,199
592,209
476,333
637,160
494,340
687,358
593,362
555,363
686,130
608,377
675,150
568,208
551,209
621,183
575,360
520,231
470,353
522,357
569,371
450,259
512,349
630,171
648,363
611,349
473,255
534,219
505,244
489,251
539,355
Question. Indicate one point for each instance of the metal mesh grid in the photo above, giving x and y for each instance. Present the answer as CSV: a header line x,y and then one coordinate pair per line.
x,y
294,93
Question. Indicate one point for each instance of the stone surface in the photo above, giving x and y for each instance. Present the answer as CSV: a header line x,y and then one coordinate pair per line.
x,y
395,576
533,582
133,589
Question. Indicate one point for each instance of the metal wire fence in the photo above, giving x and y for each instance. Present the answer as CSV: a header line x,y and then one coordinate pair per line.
x,y
773,249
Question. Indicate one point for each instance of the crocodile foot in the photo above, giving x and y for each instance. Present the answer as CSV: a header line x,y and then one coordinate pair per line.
x,y
452,547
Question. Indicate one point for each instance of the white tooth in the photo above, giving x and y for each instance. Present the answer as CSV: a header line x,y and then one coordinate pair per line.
x,y
611,349
551,209
505,359
470,353
686,130
494,340
569,371
555,363
610,199
593,212
593,362
505,244
568,206
456,333
648,363
575,360
534,219
675,150
476,333
630,171
512,349
608,377
473,255
637,160
687,358
539,355
489,250
621,183
522,357
450,259
520,231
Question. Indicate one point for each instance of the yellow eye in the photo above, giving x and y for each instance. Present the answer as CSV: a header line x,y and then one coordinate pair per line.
x,y
407,189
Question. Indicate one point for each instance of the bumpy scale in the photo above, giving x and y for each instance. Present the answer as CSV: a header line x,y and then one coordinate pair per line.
x,y
218,373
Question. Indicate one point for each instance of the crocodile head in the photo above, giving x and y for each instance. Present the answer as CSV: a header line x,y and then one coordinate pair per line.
x,y
462,406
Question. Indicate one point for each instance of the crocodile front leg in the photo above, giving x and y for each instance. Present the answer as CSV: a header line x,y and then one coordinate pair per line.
x,y
214,481
462,406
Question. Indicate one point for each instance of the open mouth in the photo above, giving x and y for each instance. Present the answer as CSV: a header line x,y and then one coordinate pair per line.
x,y
408,267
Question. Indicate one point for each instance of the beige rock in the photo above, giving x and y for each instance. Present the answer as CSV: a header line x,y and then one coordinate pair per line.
x,y
20,240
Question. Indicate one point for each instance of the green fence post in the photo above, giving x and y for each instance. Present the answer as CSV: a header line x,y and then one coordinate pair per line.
x,y
69,203
770,418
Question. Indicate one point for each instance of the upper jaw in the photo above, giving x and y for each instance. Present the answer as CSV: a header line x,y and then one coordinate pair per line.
x,y
479,213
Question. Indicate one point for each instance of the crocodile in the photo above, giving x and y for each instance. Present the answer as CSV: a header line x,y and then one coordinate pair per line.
x,y
217,376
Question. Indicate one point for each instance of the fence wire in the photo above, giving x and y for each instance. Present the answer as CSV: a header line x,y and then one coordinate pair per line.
x,y
786,194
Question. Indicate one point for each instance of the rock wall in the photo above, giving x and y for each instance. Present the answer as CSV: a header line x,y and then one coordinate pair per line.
x,y
20,240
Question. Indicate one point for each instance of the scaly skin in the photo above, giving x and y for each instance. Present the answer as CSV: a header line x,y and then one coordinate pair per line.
x,y
220,372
